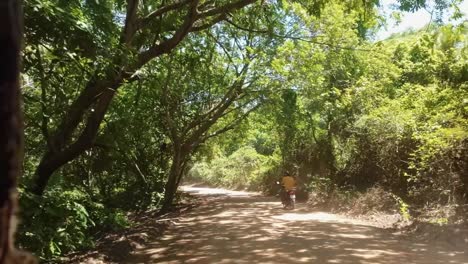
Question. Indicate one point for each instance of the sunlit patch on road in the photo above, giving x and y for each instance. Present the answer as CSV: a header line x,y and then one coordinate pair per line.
x,y
316,216
240,227
215,191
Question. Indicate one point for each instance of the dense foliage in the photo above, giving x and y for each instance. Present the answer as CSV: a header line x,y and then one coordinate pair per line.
x,y
356,115
123,99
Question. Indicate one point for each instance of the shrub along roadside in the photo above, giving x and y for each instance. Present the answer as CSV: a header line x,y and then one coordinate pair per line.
x,y
243,169
64,221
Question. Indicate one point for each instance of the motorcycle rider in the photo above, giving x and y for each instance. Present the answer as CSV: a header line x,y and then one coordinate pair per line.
x,y
288,183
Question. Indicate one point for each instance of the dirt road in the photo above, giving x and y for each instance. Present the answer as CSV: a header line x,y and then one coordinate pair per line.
x,y
240,227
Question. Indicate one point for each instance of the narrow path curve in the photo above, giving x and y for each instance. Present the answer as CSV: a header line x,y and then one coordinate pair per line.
x,y
241,227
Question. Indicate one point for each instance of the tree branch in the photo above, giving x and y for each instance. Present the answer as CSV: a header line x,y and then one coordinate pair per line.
x,y
43,84
209,24
301,38
130,22
237,107
168,45
226,8
223,103
168,119
224,50
204,126
161,11
230,126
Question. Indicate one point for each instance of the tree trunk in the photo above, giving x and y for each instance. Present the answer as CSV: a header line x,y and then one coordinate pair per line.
x,y
173,178
53,160
11,134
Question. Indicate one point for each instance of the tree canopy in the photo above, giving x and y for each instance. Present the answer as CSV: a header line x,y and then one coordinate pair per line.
x,y
124,100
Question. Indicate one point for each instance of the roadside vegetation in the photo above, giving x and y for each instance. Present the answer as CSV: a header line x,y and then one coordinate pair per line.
x,y
125,100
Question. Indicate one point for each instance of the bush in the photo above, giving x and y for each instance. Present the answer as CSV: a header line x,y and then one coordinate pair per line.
x,y
375,199
243,169
62,221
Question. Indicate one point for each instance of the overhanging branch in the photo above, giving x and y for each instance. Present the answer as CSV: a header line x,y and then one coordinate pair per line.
x,y
168,45
301,38
142,22
230,126
209,24
226,8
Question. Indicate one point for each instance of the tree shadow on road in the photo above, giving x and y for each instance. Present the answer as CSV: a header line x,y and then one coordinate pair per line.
x,y
246,229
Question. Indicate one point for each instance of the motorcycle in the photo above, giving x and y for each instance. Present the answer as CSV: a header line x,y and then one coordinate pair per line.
x,y
288,198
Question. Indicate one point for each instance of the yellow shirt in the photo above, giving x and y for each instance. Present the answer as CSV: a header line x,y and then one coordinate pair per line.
x,y
288,182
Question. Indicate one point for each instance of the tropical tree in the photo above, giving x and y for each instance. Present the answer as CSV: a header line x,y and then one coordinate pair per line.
x,y
129,36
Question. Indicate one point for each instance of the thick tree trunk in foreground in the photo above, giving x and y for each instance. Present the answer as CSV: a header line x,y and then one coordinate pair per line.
x,y
11,135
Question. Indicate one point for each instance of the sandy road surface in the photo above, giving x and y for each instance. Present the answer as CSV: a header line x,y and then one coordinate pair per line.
x,y
240,227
